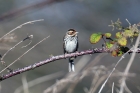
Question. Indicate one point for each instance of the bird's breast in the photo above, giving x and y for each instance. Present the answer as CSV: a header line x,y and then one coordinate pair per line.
x,y
70,46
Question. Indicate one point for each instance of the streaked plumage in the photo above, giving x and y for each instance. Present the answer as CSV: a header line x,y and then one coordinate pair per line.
x,y
71,45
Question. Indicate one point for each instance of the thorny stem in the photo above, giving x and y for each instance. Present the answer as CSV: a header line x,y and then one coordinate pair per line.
x,y
54,58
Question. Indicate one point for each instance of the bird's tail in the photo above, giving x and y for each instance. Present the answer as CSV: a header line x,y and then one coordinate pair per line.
x,y
71,65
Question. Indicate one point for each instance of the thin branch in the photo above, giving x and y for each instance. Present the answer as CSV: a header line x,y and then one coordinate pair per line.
x,y
25,84
40,80
101,79
30,22
127,89
54,58
28,37
129,65
24,54
73,77
97,73
128,22
95,60
27,44
123,56
113,87
80,64
94,81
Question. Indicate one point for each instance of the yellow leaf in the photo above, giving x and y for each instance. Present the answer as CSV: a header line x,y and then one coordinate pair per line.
x,y
114,53
118,35
128,33
122,41
107,35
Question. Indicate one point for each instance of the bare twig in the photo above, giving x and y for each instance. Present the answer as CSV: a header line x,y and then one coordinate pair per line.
x,y
97,73
101,79
24,54
127,89
25,84
74,77
123,56
80,64
28,37
95,60
95,80
68,78
30,22
90,65
128,22
113,87
40,80
129,65
27,44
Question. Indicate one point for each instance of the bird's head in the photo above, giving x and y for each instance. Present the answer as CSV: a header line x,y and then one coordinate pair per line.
x,y
72,32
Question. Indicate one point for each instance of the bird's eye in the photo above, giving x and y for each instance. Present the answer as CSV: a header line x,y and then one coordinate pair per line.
x,y
69,33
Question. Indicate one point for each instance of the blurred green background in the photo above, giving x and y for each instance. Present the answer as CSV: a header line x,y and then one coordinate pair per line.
x,y
85,16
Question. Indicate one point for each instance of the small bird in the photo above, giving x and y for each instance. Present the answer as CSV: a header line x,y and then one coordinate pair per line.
x,y
70,45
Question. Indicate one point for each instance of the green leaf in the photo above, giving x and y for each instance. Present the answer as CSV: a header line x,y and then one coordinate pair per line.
x,y
107,35
122,41
109,45
118,35
120,53
95,37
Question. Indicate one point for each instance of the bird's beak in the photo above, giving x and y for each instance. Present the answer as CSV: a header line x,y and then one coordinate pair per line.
x,y
77,32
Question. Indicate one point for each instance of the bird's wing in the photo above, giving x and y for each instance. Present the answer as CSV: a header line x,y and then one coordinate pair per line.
x,y
77,44
64,45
